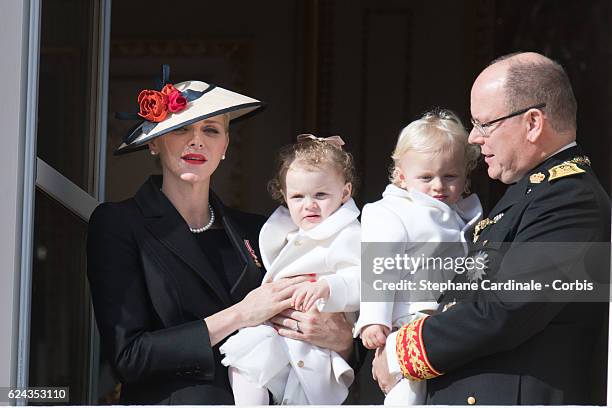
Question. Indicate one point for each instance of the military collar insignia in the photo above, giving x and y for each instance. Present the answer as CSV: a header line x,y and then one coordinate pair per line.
x,y
484,224
537,178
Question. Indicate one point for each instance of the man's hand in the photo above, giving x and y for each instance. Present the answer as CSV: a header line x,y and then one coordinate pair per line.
x,y
380,371
326,330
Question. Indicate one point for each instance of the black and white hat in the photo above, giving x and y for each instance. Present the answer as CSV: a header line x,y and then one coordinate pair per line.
x,y
182,104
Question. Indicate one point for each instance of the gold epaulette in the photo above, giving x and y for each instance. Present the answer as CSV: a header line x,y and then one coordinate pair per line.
x,y
568,168
411,352
563,170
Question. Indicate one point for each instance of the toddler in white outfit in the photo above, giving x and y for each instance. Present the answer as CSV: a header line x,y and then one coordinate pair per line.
x,y
316,231
423,204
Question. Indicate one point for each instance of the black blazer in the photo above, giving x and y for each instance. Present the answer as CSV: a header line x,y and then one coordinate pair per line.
x,y
528,353
151,285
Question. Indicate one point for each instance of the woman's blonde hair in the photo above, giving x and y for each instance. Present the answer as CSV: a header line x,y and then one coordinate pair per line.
x,y
312,153
437,130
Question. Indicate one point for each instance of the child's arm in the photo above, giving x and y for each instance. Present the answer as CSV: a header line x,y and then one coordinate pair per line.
x,y
338,291
384,230
344,259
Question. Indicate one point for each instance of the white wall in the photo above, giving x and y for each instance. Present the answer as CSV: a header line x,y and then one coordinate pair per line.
x,y
14,23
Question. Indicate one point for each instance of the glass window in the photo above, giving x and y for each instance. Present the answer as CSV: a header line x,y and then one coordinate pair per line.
x,y
60,312
66,103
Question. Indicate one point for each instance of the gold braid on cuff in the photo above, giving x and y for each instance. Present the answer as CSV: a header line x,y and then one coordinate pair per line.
x,y
411,352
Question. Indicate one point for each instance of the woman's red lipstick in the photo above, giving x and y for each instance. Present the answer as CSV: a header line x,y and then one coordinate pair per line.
x,y
194,158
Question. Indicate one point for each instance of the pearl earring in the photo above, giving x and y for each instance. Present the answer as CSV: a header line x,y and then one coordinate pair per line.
x,y
223,157
153,153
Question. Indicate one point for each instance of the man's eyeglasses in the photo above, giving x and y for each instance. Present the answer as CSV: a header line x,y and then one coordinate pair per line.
x,y
482,127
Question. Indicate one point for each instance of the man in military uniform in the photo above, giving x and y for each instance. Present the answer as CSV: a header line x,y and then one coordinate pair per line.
x,y
491,349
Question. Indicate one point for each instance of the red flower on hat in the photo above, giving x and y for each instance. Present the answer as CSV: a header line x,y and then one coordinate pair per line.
x,y
153,105
176,101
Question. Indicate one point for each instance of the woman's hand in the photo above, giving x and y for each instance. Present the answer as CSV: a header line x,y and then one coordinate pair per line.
x,y
258,306
380,371
326,330
268,300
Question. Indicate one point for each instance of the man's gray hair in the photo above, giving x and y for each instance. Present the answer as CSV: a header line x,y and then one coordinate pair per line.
x,y
529,83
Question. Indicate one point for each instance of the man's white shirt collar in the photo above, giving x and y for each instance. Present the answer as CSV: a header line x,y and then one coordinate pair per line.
x,y
567,146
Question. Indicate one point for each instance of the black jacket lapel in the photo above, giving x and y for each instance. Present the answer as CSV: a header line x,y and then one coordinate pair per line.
x,y
251,275
167,225
510,197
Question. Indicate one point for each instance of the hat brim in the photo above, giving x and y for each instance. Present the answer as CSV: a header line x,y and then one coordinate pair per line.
x,y
214,101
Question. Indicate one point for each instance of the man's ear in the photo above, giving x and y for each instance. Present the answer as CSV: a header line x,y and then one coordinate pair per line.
x,y
346,192
535,124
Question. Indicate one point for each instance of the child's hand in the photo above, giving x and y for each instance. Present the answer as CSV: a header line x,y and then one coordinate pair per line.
x,y
374,336
307,294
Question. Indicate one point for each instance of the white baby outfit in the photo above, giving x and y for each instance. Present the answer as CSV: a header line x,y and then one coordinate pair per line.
x,y
296,372
412,217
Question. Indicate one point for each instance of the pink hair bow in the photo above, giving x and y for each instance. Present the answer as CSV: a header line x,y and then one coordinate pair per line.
x,y
335,140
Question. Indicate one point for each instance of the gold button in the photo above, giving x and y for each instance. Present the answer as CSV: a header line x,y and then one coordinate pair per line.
x,y
300,364
471,400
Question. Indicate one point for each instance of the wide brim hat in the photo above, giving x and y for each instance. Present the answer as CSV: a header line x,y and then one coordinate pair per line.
x,y
203,101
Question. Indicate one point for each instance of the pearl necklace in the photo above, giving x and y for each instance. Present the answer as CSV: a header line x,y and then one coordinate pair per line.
x,y
207,226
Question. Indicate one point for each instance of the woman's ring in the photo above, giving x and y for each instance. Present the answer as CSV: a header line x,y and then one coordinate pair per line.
x,y
297,326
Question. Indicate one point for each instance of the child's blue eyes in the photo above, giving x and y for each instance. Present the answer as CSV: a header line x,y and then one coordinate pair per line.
x,y
317,195
447,177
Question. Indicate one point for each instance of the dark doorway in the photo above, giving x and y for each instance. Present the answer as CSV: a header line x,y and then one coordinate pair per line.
x,y
359,68
362,69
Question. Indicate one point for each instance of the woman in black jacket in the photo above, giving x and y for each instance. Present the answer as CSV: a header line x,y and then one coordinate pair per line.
x,y
173,271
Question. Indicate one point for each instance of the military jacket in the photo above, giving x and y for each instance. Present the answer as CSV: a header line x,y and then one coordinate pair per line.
x,y
491,347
